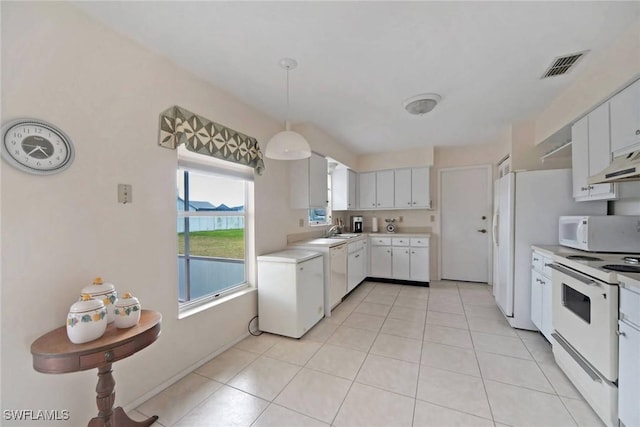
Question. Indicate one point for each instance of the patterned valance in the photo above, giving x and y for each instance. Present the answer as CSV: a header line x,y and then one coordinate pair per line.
x,y
204,136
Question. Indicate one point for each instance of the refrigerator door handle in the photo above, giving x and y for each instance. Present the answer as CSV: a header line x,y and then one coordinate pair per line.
x,y
494,234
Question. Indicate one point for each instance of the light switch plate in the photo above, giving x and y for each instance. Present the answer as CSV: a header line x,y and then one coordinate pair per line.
x,y
125,194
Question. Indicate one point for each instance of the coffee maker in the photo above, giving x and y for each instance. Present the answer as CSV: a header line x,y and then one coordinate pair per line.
x,y
356,224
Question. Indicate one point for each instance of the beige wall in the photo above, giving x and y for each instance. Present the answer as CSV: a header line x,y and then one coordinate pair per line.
x,y
396,159
61,231
601,76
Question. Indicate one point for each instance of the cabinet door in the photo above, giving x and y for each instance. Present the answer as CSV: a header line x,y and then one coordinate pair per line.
x,y
351,195
419,264
310,293
400,259
381,261
420,189
318,177
340,189
402,188
629,375
599,148
536,299
367,187
546,316
384,189
580,157
625,118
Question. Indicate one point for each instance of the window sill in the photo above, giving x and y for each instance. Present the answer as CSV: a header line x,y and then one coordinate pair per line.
x,y
190,311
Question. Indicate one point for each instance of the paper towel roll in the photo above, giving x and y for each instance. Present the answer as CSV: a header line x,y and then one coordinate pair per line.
x,y
374,224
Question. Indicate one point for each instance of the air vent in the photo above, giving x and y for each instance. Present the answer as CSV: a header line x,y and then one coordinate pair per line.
x,y
562,64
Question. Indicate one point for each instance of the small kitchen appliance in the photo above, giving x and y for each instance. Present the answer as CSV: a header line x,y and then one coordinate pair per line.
x,y
356,224
600,233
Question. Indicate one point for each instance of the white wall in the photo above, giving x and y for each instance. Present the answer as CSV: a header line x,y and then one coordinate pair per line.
x,y
61,231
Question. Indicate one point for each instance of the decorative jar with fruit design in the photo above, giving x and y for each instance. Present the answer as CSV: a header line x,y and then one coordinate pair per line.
x,y
87,320
105,292
127,311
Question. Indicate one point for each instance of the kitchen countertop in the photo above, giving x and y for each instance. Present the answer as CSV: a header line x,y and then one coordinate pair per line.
x,y
400,234
552,250
328,242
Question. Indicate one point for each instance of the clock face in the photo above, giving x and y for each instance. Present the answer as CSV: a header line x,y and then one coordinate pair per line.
x,y
36,146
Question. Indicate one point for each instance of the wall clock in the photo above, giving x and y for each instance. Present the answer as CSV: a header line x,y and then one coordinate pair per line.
x,y
36,147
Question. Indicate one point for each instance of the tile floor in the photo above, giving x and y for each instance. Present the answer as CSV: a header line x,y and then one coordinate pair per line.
x,y
390,355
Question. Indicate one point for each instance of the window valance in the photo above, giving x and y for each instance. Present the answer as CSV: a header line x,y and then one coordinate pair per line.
x,y
203,136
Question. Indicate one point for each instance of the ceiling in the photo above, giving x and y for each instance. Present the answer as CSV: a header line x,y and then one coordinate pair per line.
x,y
358,61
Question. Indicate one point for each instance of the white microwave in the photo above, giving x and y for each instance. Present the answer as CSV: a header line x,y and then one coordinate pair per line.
x,y
611,233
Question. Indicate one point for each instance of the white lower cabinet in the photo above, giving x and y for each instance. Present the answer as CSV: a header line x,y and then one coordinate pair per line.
x,y
400,263
356,264
541,294
380,261
628,358
400,258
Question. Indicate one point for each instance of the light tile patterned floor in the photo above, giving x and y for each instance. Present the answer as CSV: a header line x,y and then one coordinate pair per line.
x,y
390,355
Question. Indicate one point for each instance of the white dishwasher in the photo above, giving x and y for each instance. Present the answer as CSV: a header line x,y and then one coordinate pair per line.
x,y
290,291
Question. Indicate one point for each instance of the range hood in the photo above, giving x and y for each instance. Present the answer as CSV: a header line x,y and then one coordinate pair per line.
x,y
622,168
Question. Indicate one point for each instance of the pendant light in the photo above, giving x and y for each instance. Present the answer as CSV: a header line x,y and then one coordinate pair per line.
x,y
288,145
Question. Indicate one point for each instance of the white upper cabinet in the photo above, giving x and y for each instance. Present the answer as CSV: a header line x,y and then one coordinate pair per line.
x,y
402,186
308,182
395,189
343,189
590,153
412,188
625,119
367,190
384,189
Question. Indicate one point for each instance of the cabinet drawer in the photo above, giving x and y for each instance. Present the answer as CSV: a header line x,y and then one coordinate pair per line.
x,y
400,241
356,246
100,358
630,306
419,242
381,241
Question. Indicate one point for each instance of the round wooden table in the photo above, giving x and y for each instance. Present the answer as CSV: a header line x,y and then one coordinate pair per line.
x,y
53,353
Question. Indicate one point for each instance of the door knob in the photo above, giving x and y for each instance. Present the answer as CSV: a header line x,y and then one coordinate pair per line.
x,y
482,230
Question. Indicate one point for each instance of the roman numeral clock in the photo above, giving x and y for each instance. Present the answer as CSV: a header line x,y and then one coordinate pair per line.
x,y
36,147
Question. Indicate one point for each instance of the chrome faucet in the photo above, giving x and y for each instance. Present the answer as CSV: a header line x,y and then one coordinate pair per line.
x,y
333,230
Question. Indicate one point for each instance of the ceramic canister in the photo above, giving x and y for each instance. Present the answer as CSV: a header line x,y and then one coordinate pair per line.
x,y
127,311
87,320
105,292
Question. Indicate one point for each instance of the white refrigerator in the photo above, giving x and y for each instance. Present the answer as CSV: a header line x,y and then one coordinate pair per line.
x,y
526,210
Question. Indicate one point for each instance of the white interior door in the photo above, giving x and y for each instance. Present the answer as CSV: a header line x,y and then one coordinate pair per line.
x,y
465,223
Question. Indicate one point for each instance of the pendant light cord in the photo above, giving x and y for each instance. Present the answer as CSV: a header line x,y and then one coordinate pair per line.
x,y
286,116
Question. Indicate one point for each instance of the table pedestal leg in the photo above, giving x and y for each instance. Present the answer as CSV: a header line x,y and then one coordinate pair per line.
x,y
105,398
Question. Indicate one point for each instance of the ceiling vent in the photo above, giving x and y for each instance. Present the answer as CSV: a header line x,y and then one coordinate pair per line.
x,y
562,64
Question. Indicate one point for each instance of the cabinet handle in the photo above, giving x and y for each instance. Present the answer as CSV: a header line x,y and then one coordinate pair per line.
x,y
591,187
536,259
414,203
409,203
357,256
413,252
584,188
301,268
621,334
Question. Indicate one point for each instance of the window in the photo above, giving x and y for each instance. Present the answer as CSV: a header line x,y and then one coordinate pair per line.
x,y
212,242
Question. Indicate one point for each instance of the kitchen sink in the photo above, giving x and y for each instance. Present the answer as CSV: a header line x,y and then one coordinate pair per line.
x,y
345,236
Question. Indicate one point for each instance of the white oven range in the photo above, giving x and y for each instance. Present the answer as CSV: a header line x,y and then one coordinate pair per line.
x,y
585,320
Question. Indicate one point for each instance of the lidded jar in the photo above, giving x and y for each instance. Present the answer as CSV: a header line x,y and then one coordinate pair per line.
x,y
127,311
105,292
87,320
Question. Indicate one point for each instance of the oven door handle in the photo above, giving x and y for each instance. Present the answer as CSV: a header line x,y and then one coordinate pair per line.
x,y
579,277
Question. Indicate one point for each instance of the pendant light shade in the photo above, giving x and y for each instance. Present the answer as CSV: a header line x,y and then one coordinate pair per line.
x,y
288,145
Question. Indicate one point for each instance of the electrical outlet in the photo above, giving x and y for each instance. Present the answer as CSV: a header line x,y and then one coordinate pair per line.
x,y
125,193
401,218
433,218
301,222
